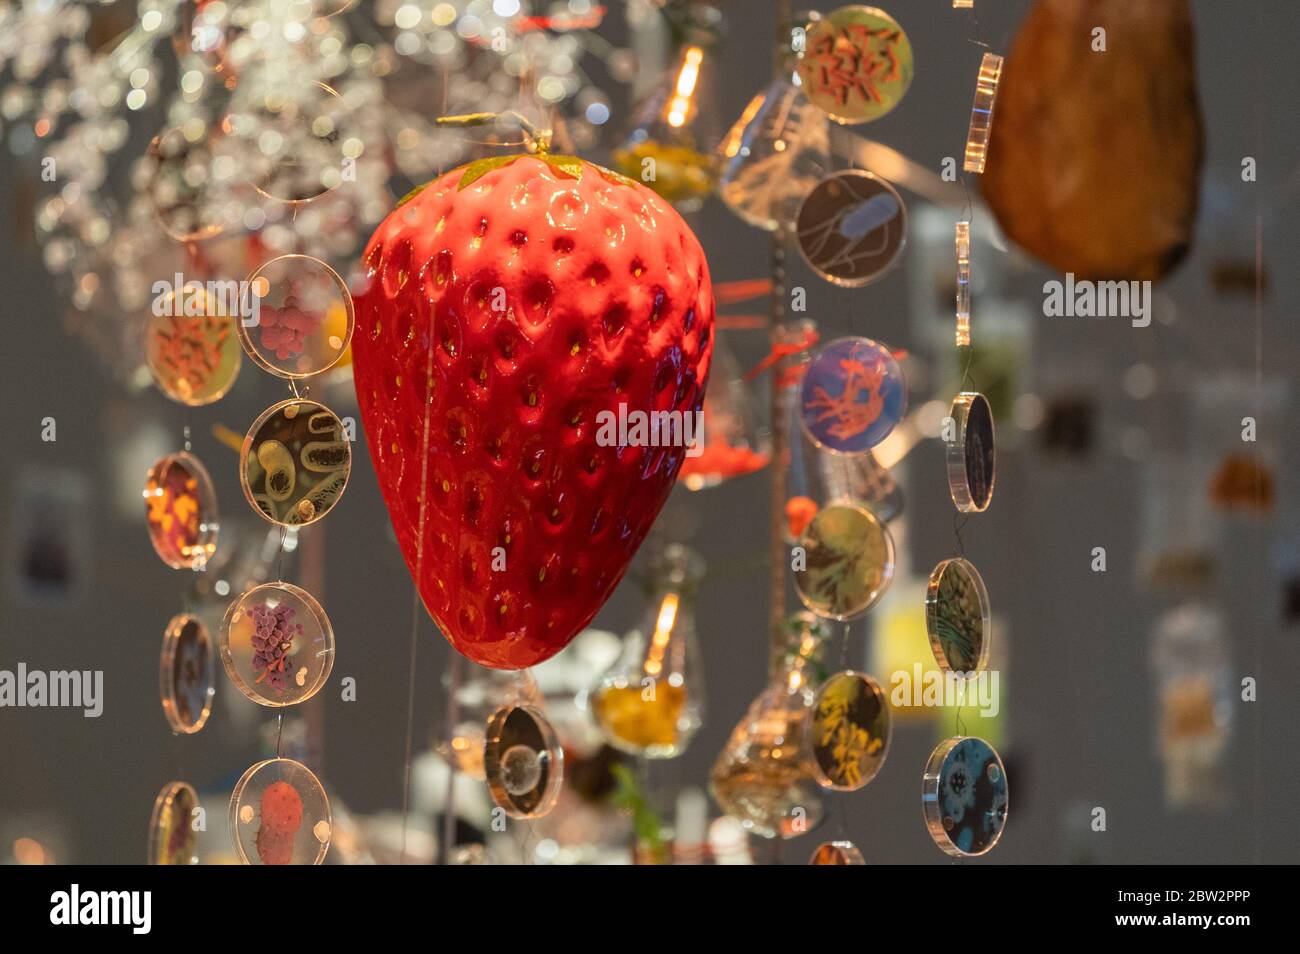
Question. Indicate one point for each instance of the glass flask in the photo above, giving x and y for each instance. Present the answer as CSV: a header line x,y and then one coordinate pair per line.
x,y
729,442
816,477
763,777
662,149
480,693
652,701
773,156
1189,656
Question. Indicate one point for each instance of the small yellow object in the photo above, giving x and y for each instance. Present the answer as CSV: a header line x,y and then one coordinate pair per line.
x,y
641,718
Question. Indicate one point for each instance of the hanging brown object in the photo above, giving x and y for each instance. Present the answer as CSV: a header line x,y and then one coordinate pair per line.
x,y
1095,157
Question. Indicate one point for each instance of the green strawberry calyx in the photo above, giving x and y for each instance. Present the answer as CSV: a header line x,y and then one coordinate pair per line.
x,y
538,143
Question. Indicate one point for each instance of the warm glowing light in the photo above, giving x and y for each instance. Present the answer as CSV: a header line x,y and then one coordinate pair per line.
x,y
654,662
681,106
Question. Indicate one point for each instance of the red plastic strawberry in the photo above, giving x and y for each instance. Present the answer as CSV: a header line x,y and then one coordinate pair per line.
x,y
508,304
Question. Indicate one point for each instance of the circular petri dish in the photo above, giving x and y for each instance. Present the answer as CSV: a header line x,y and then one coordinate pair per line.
x,y
293,140
295,462
172,838
187,674
298,317
856,64
848,562
180,510
851,728
852,228
981,113
972,453
175,176
964,796
280,815
957,617
277,644
837,853
852,396
191,346
523,761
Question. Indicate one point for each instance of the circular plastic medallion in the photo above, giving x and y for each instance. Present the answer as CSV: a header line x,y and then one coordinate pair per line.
x,y
981,113
852,228
837,853
852,396
180,508
295,462
192,349
298,316
848,562
187,674
964,796
857,64
523,762
175,173
972,453
280,815
851,730
299,142
277,644
957,617
172,837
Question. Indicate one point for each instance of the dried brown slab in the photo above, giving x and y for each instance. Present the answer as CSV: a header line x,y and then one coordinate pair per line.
x,y
1095,157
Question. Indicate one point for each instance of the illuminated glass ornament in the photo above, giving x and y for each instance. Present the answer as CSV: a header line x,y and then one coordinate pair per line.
x,y
857,64
652,701
186,677
192,347
847,561
297,317
181,511
277,644
773,156
728,440
762,778
523,761
972,453
957,617
172,836
280,815
851,729
964,796
479,693
852,228
981,113
295,462
853,395
662,150
837,853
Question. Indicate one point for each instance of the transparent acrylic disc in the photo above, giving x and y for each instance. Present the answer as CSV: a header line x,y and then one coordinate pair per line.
x,y
849,562
172,838
187,674
851,731
180,509
192,348
957,617
303,319
852,228
852,396
856,64
280,815
837,853
295,462
277,644
523,761
964,796
972,454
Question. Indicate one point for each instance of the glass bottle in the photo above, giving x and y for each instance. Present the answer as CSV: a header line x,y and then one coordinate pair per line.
x,y
663,147
772,157
651,701
731,442
762,777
